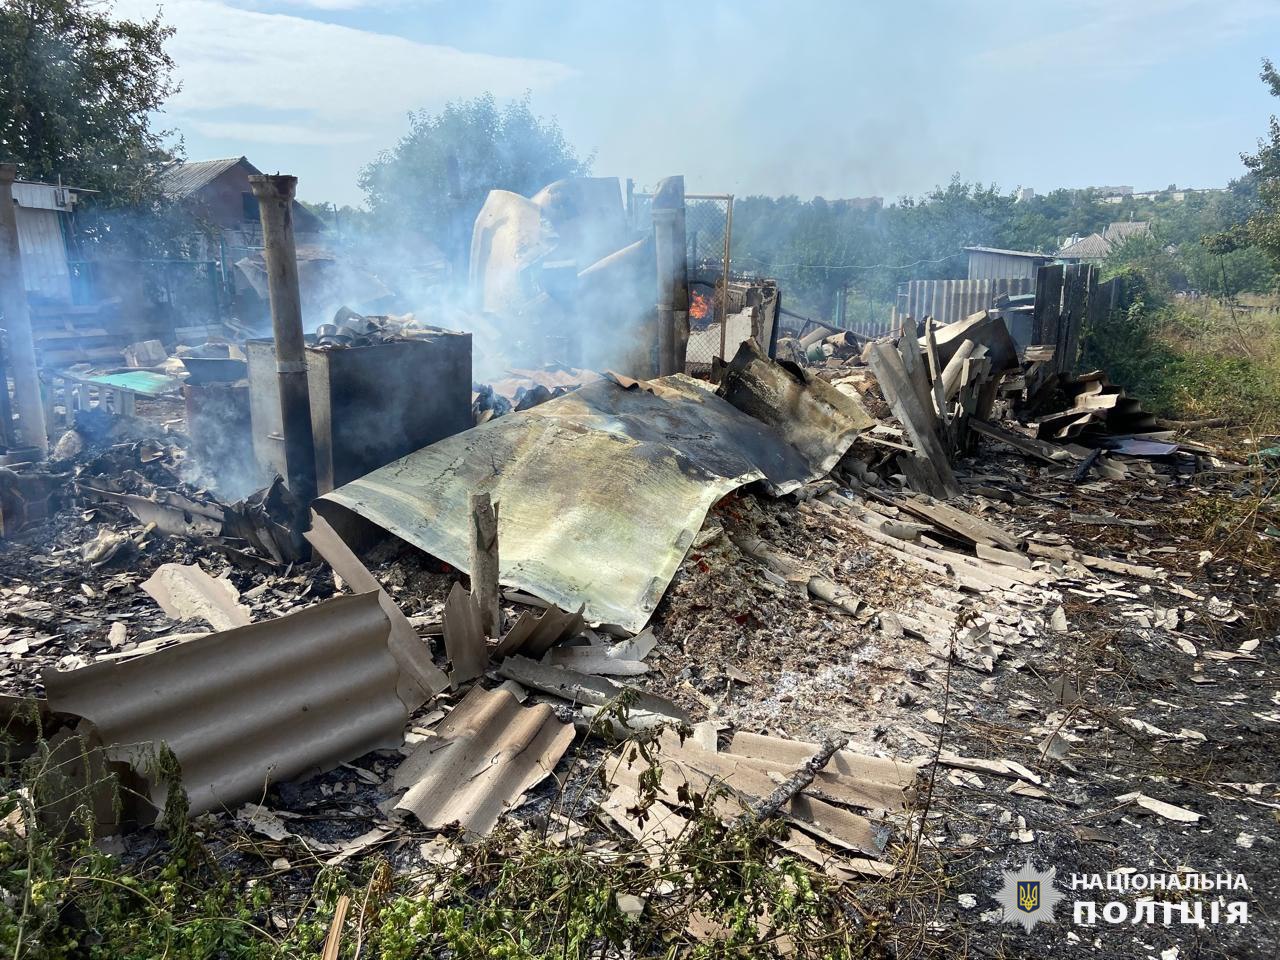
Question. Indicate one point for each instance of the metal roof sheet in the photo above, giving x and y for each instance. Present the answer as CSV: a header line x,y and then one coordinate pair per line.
x,y
181,180
603,489
1010,253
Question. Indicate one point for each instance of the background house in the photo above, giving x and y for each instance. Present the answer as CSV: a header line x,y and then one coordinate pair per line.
x,y
216,194
1096,246
226,227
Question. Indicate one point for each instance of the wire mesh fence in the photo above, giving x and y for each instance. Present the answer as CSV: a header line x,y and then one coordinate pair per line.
x,y
708,237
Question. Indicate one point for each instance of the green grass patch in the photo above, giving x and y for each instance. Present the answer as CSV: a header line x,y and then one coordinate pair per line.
x,y
1193,363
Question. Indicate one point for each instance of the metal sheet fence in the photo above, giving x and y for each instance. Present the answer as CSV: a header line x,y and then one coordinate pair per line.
x,y
950,300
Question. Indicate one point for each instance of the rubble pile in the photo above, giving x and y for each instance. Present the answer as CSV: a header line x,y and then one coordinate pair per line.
x,y
854,597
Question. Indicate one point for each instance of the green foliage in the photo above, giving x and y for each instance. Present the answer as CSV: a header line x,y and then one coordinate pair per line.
x,y
434,181
718,891
820,246
1186,364
1263,226
78,90
66,898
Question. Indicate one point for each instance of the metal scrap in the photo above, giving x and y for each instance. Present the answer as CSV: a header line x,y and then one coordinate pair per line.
x,y
604,489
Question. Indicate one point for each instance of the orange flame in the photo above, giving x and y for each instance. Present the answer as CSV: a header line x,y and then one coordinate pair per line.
x,y
699,307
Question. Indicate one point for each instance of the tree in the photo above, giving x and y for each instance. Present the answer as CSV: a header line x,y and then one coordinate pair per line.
x,y
1263,227
434,181
78,89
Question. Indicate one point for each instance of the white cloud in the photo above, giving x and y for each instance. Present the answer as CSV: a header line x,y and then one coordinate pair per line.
x,y
249,132
343,83
319,4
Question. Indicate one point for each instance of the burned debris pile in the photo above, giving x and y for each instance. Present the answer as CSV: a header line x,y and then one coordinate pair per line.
x,y
876,605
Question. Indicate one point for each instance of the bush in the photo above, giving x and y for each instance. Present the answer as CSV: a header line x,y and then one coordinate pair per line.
x,y
1192,362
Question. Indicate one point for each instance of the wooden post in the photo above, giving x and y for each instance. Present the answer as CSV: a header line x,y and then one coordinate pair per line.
x,y
484,563
935,370
1046,314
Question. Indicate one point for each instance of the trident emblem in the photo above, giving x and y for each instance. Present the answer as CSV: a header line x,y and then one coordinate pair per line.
x,y
1028,895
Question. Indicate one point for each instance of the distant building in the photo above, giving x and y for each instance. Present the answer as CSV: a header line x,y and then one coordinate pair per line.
x,y
1114,194
1024,195
992,263
216,193
226,229
1097,246
864,203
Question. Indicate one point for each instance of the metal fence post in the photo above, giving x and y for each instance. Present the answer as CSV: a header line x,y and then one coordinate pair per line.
x,y
724,277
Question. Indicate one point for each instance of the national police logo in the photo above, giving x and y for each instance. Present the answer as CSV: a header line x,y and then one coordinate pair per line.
x,y
1028,895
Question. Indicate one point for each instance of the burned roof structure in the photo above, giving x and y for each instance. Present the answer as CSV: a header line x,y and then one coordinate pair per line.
x,y
604,488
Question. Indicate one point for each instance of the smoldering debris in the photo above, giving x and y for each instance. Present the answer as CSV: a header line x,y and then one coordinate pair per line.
x,y
907,598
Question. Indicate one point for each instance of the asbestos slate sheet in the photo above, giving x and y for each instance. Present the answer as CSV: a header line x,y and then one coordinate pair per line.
x,y
603,489
255,705
483,758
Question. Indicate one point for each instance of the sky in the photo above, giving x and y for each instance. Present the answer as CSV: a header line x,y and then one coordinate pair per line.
x,y
835,99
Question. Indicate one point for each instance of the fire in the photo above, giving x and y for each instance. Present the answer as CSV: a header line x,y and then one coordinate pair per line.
x,y
699,307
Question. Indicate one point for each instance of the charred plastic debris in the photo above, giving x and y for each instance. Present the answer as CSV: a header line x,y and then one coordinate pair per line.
x,y
487,587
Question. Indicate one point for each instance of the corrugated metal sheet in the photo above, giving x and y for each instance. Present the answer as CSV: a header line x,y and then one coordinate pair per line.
x,y
488,752
603,489
181,180
999,264
43,196
44,253
250,706
950,300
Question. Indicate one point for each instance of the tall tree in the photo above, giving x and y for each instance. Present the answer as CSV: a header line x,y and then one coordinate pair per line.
x,y
1263,227
434,181
78,89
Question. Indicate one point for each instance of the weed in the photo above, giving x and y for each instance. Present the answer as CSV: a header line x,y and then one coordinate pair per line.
x,y
719,890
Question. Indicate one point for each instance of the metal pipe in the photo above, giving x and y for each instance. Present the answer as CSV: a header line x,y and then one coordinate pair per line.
x,y
17,320
275,201
680,320
724,291
668,200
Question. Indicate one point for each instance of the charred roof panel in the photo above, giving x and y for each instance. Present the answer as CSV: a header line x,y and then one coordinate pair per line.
x,y
603,489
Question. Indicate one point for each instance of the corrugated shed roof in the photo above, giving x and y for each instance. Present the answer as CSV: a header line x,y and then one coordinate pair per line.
x,y
180,180
1097,246
1009,253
